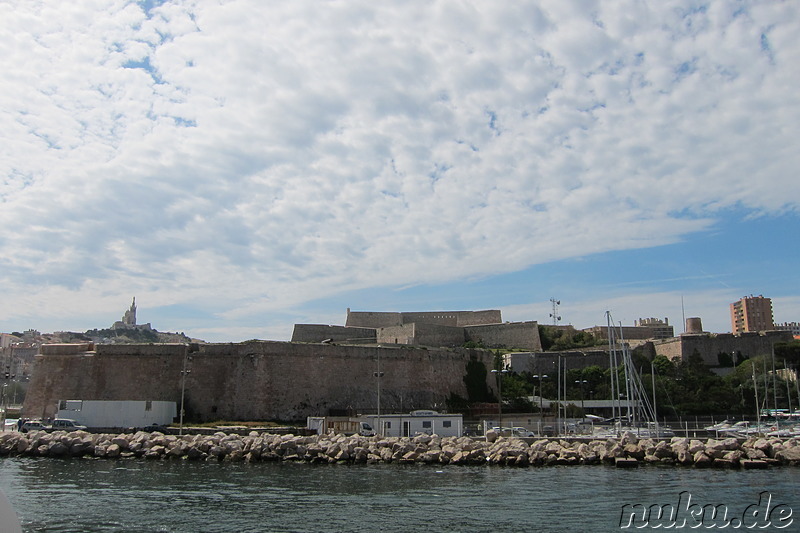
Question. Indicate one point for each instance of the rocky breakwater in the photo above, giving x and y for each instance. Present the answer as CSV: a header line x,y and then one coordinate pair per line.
x,y
430,449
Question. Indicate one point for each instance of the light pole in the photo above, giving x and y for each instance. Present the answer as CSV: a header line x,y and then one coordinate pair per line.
x,y
499,375
581,382
541,413
184,371
378,375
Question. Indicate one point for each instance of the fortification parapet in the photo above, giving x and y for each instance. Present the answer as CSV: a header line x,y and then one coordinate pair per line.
x,y
522,335
322,332
66,349
709,346
373,319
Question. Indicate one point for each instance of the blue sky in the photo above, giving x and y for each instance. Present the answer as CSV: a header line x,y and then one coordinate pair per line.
x,y
242,166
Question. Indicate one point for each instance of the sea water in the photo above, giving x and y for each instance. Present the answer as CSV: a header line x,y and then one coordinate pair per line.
x,y
95,495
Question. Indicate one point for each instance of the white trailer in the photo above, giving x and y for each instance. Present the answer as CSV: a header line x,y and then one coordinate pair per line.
x,y
118,413
417,422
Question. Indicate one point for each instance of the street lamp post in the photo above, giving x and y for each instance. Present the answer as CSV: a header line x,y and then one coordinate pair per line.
x,y
581,382
498,374
541,412
184,371
378,375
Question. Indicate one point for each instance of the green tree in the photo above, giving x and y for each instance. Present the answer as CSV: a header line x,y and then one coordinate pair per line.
x,y
663,366
789,352
475,381
725,359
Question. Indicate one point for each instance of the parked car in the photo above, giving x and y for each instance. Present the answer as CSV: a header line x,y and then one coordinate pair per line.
x,y
522,432
65,424
32,425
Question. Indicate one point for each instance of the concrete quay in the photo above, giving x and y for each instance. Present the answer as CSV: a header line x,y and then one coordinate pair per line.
x,y
625,451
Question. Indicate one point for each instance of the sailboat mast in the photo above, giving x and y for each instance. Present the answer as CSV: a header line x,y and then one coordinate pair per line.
x,y
788,390
766,388
655,410
755,388
774,386
612,361
626,362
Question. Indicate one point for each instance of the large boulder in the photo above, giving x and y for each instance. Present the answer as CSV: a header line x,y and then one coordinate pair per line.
x,y
789,455
696,446
701,460
635,451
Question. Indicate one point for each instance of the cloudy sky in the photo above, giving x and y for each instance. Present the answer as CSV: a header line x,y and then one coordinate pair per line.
x,y
240,166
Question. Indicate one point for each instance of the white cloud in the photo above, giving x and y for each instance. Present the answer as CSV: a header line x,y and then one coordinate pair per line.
x,y
245,158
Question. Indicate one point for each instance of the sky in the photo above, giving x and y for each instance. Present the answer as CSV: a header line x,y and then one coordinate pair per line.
x,y
240,166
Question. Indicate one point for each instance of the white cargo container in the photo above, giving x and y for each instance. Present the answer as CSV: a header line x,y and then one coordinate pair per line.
x,y
118,413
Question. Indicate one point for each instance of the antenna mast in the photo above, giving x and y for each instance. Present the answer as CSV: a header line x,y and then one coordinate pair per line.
x,y
554,315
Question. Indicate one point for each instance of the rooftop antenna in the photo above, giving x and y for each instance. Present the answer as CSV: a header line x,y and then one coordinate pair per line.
x,y
554,315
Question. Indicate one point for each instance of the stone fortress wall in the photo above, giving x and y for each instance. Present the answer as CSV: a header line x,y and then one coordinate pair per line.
x,y
256,380
548,362
343,334
375,319
523,335
709,345
436,329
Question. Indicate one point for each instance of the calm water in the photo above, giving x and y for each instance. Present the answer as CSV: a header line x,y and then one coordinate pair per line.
x,y
90,495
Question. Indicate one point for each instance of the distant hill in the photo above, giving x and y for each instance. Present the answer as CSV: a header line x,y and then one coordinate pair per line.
x,y
132,335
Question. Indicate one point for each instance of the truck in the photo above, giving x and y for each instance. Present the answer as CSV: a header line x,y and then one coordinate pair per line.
x,y
348,426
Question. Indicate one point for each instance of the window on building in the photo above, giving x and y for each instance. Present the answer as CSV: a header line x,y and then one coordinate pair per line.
x,y
426,424
446,423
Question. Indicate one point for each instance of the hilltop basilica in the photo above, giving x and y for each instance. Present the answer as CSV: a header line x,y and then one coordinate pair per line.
x,y
129,320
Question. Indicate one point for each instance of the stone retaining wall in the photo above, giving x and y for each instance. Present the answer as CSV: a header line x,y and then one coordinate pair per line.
x,y
430,449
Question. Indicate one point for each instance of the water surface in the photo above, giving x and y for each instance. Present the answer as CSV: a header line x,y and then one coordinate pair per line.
x,y
91,495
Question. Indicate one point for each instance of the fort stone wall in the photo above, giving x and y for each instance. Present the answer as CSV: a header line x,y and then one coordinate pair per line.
x,y
370,319
108,372
709,346
373,319
402,334
257,380
548,362
321,332
422,334
524,335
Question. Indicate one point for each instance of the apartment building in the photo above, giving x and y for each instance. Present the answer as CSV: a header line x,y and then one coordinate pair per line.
x,y
751,313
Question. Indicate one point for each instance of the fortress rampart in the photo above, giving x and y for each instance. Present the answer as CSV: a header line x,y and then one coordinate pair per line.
x,y
321,332
257,380
548,362
524,335
373,319
709,346
434,329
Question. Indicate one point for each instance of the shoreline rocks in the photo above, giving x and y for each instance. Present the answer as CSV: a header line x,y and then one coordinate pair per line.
x,y
625,451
